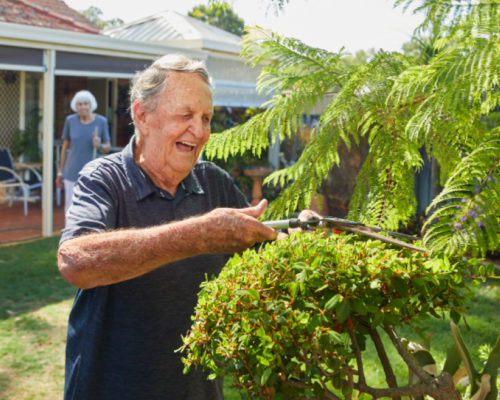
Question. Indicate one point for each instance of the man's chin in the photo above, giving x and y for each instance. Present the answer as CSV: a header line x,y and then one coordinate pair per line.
x,y
183,167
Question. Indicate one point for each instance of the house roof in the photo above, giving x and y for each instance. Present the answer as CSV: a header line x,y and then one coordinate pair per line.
x,y
171,28
54,14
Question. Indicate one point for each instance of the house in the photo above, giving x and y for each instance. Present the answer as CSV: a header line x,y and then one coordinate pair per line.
x,y
48,51
234,80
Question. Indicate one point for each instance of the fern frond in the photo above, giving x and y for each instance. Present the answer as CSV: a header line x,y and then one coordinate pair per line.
x,y
306,175
384,194
466,214
457,18
343,120
454,81
448,99
445,107
295,92
288,55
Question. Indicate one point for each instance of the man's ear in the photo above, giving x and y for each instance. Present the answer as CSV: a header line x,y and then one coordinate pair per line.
x,y
140,117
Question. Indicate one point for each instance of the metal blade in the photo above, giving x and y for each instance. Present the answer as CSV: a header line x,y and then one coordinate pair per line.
x,y
347,226
365,231
335,222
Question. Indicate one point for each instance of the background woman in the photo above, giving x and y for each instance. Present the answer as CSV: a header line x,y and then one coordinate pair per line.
x,y
84,133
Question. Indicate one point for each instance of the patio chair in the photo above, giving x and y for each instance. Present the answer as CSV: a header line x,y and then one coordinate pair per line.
x,y
11,179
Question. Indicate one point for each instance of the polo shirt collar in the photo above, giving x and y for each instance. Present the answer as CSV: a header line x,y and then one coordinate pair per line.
x,y
142,183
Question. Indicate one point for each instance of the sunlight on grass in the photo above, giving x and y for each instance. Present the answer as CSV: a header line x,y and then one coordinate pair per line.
x,y
34,306
32,353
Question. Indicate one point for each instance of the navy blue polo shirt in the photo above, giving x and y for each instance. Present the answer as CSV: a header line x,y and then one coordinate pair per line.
x,y
122,337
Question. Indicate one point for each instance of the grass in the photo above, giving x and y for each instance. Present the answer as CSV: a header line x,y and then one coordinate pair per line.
x,y
35,302
34,306
484,327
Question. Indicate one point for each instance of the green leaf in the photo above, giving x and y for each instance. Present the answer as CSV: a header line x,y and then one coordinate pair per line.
x,y
265,376
332,303
453,360
335,337
254,293
301,276
342,310
325,286
401,286
464,353
492,368
359,306
375,284
455,316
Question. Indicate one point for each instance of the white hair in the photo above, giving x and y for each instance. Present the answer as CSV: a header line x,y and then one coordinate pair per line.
x,y
82,96
148,84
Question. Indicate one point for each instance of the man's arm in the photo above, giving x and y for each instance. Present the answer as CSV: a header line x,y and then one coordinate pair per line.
x,y
110,257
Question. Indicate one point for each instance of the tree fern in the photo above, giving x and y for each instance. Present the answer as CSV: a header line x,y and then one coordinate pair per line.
x,y
284,110
467,211
305,176
456,91
456,19
400,108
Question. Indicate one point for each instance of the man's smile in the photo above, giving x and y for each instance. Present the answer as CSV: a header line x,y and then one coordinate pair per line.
x,y
185,146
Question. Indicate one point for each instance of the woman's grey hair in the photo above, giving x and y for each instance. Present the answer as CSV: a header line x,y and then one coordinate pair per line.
x,y
148,84
82,96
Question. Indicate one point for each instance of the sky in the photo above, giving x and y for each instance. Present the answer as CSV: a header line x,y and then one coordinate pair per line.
x,y
329,24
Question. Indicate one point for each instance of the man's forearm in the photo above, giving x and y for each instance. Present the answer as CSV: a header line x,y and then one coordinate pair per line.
x,y
109,257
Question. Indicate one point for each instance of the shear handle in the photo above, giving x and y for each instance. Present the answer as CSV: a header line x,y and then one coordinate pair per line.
x,y
284,223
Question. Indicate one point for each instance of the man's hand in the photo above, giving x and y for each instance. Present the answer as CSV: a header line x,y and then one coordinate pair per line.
x,y
304,216
233,230
109,257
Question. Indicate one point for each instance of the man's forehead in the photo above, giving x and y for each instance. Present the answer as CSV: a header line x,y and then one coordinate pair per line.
x,y
176,76
186,83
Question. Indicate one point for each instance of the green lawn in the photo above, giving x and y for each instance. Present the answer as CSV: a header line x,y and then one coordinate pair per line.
x,y
35,302
34,306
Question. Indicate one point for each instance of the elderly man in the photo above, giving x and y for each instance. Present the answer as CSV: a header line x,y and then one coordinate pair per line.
x,y
145,228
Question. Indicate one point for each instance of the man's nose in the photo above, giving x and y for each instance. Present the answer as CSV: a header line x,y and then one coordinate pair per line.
x,y
198,127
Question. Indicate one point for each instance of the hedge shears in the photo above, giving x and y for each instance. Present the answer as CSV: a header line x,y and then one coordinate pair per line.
x,y
340,224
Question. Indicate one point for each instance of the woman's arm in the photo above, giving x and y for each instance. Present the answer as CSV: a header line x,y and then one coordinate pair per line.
x,y
105,138
105,147
62,160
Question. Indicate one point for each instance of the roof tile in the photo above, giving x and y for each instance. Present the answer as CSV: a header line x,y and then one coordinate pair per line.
x,y
55,14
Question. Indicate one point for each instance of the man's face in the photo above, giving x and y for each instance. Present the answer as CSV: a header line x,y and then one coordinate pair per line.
x,y
176,131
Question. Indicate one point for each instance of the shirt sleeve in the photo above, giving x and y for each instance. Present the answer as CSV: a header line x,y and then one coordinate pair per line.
x,y
105,131
65,132
92,208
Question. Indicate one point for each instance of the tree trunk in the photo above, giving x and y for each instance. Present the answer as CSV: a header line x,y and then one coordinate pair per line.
x,y
445,388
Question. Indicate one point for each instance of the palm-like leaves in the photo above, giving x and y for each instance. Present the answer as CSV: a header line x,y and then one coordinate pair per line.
x,y
457,90
467,211
399,108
